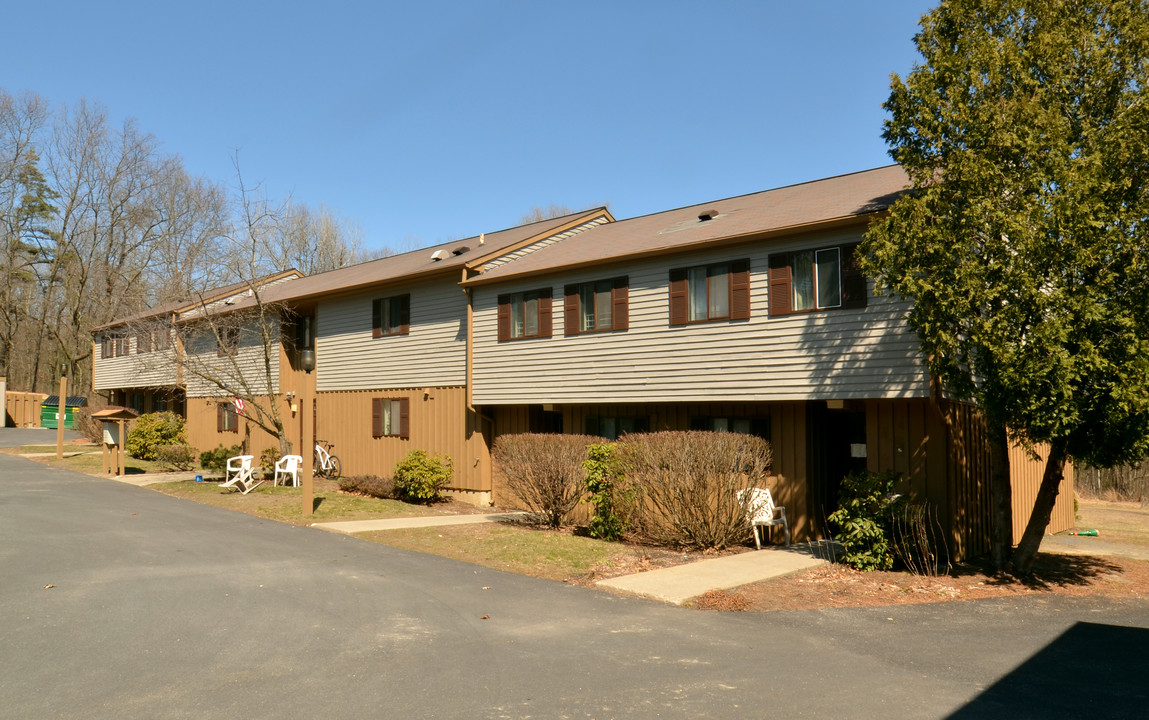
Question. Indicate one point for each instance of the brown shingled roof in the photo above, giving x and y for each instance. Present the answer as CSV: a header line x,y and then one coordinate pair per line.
x,y
419,263
206,297
786,210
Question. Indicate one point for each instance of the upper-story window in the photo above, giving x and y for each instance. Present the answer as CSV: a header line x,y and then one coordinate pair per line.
x,y
720,291
162,338
113,344
597,306
143,341
391,315
821,279
525,315
227,341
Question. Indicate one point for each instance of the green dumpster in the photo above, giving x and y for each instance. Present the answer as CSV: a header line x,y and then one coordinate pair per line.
x,y
50,409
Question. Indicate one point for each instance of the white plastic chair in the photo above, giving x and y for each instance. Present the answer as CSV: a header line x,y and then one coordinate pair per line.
x,y
760,509
242,480
288,467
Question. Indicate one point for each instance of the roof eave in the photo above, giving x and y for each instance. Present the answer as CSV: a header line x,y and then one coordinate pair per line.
x,y
758,235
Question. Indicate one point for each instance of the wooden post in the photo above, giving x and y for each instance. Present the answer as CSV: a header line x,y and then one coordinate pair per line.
x,y
62,407
306,447
123,436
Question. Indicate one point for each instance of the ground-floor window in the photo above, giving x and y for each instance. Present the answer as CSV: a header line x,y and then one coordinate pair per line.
x,y
226,418
759,426
611,427
390,417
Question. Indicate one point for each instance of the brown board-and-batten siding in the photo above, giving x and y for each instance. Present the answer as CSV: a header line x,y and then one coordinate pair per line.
x,y
1025,478
438,422
949,468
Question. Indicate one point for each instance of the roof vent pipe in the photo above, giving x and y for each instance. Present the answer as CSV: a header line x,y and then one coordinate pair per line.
x,y
707,215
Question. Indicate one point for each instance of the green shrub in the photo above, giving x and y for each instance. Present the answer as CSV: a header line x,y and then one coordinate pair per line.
x,y
544,472
686,485
419,477
371,485
216,460
866,506
153,429
267,460
176,457
604,475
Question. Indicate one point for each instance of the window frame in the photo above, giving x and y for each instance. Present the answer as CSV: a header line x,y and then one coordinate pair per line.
x,y
226,341
399,305
380,429
851,282
114,344
226,417
737,292
544,313
619,290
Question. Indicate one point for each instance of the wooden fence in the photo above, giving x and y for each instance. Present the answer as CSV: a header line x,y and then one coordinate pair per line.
x,y
22,409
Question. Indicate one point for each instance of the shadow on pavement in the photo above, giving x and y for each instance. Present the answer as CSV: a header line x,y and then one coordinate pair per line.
x,y
1090,671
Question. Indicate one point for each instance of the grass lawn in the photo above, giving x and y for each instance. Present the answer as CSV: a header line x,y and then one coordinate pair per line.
x,y
283,503
525,550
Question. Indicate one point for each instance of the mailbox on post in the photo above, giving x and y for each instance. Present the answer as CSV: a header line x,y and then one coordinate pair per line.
x,y
114,420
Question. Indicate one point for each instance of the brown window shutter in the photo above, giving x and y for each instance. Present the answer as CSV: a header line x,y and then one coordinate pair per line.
x,y
376,417
740,290
376,318
853,282
781,300
620,304
504,318
405,418
678,309
545,313
104,347
570,310
405,314
219,417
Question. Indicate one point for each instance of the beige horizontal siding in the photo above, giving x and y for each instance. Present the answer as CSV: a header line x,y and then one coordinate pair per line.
x,y
433,353
134,370
247,373
835,354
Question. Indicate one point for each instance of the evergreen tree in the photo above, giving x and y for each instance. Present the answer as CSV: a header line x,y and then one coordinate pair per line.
x,y
1025,133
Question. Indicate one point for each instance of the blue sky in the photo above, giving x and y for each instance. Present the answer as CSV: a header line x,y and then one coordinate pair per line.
x,y
430,121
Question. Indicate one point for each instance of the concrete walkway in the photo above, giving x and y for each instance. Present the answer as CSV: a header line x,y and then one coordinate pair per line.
x,y
351,527
680,583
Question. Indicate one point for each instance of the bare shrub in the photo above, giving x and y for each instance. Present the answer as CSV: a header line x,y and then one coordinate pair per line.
x,y
176,457
918,540
83,423
687,485
371,485
545,471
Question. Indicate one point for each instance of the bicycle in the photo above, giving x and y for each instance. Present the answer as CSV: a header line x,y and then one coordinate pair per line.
x,y
326,464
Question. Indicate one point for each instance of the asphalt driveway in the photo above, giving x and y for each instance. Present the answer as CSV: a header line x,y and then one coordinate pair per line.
x,y
120,602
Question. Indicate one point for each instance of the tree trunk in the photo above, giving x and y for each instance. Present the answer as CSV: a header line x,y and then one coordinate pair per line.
x,y
1026,552
1001,525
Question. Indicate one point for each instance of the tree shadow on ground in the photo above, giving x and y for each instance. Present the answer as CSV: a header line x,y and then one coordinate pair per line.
x,y
1050,571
